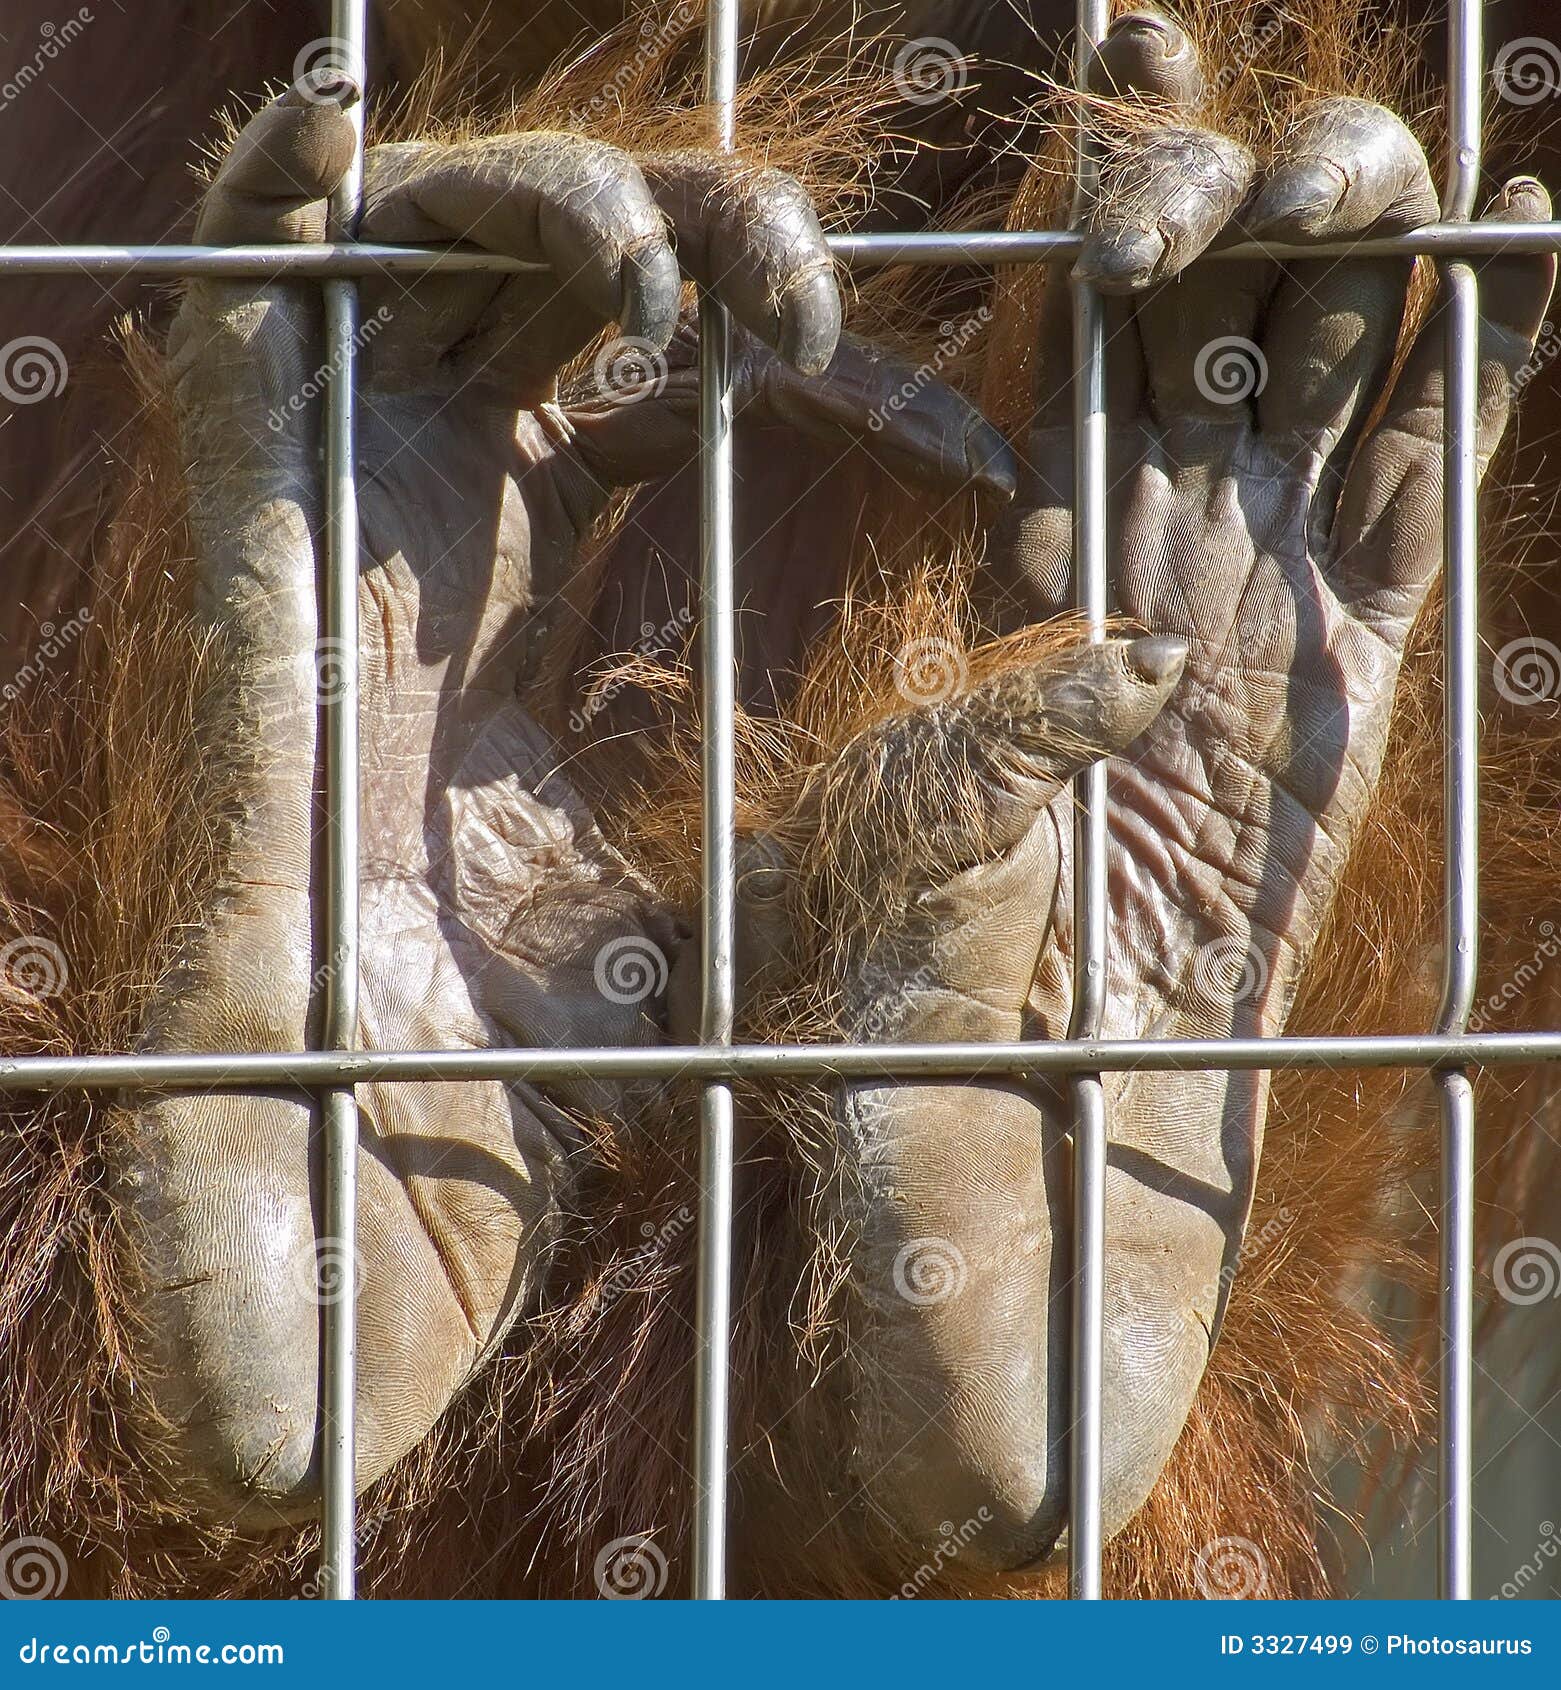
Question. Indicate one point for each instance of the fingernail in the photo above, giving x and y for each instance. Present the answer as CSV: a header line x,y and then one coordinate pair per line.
x,y
1300,198
1120,261
1155,659
1524,188
810,323
333,87
991,459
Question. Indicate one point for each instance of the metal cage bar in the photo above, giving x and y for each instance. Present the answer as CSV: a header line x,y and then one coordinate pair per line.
x,y
1091,589
219,1070
338,715
975,246
333,1071
1461,727
718,920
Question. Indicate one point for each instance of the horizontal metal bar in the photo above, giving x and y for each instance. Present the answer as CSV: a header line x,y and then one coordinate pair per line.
x,y
992,246
167,1071
1443,240
306,259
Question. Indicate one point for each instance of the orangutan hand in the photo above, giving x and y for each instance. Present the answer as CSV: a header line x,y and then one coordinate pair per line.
x,y
1274,526
493,912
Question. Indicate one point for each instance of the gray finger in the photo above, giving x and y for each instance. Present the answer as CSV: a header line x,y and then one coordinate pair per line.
x,y
1145,53
754,240
579,207
1389,532
1350,168
1163,200
273,184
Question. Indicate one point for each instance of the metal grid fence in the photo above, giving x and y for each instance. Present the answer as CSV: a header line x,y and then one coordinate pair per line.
x,y
333,1072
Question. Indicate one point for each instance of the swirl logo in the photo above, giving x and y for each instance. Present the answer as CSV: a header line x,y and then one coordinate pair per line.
x,y
629,369
930,671
631,1569
31,369
34,966
32,1569
1528,671
1528,1271
331,668
161,1634
1528,70
327,1271
1231,1569
630,969
1230,369
321,69
1227,970
930,69
929,1270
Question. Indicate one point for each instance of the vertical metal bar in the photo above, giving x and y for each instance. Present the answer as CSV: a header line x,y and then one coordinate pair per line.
x,y
1455,1474
339,853
1089,893
718,647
